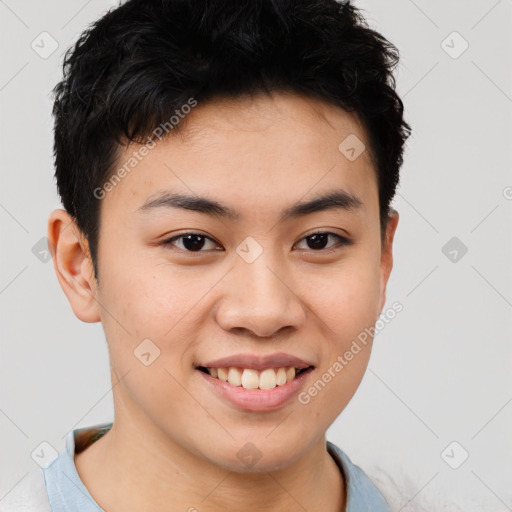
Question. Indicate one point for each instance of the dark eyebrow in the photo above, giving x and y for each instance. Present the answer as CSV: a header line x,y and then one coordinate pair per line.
x,y
336,199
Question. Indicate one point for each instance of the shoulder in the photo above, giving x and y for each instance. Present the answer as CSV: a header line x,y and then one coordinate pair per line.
x,y
28,495
362,494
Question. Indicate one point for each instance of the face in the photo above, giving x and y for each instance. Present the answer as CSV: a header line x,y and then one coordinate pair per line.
x,y
240,277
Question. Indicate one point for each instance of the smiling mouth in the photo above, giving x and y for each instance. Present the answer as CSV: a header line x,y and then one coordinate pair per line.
x,y
255,379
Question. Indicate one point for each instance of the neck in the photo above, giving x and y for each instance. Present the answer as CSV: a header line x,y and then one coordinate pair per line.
x,y
130,471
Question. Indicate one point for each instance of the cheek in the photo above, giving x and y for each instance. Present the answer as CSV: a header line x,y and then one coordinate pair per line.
x,y
348,297
160,303
152,298
347,306
156,305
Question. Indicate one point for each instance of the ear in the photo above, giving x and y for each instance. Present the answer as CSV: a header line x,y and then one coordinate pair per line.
x,y
73,265
386,263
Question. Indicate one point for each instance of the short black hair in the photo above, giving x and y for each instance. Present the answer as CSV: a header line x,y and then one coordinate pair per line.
x,y
133,68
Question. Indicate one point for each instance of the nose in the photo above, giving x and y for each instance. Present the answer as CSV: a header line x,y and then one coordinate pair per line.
x,y
259,297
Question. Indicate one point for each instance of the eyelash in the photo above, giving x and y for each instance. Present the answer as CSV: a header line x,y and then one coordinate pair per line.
x,y
342,241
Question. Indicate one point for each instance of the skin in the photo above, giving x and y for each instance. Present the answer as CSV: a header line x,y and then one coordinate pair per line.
x,y
173,439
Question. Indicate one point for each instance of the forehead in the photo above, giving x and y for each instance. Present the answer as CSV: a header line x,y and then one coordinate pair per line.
x,y
304,118
280,148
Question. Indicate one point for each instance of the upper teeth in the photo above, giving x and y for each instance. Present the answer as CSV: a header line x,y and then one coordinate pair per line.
x,y
252,379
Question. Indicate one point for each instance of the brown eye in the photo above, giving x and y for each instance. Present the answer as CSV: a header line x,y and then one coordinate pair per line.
x,y
191,242
318,241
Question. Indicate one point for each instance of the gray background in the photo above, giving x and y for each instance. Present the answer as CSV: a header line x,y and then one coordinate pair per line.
x,y
440,371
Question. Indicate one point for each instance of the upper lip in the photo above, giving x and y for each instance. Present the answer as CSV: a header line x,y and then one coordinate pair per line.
x,y
256,362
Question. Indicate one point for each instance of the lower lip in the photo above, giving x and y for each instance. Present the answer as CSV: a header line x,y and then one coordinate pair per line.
x,y
257,399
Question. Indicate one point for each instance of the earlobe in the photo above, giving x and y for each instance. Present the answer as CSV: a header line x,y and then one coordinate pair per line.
x,y
386,263
73,265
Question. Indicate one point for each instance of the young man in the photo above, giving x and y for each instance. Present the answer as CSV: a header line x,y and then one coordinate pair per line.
x,y
226,170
